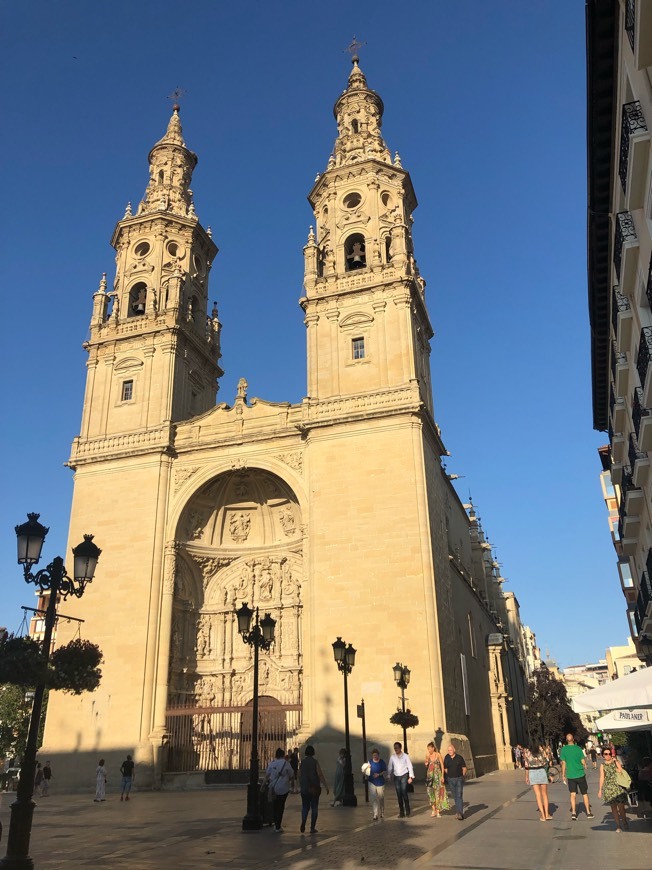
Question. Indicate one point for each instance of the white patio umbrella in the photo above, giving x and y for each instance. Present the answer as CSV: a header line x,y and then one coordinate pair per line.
x,y
626,720
627,693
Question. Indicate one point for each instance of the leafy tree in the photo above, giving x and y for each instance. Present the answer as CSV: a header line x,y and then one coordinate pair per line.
x,y
549,710
14,721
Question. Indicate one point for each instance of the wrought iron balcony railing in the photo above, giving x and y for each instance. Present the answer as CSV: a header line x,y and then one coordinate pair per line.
x,y
648,562
618,303
638,411
644,353
648,286
625,232
634,453
633,120
630,21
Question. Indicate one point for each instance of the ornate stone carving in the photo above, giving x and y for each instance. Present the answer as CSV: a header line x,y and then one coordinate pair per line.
x,y
287,521
181,475
195,525
294,460
239,526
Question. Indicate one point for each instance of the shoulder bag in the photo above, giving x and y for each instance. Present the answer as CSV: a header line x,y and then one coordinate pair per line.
x,y
623,779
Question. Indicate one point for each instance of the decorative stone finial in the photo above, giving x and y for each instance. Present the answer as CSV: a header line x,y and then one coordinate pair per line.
x,y
127,211
102,288
209,232
242,389
311,236
397,160
331,161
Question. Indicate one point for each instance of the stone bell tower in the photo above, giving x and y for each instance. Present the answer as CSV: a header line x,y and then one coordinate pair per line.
x,y
153,352
368,328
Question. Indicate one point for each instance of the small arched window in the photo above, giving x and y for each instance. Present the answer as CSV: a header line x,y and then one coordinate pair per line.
x,y
138,299
388,248
161,176
354,126
354,252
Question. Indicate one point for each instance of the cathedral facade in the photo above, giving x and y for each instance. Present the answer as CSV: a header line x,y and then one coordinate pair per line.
x,y
335,515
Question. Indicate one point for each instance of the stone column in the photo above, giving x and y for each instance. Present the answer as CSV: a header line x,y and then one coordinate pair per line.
x,y
158,736
498,694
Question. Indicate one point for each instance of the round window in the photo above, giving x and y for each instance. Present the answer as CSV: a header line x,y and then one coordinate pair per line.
x,y
175,249
198,263
386,199
352,200
142,249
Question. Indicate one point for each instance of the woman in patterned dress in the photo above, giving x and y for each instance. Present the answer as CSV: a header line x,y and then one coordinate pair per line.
x,y
614,794
437,796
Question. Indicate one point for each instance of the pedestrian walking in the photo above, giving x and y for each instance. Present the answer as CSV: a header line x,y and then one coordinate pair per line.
x,y
613,792
536,775
375,770
435,788
311,779
100,782
127,770
338,782
47,776
400,767
573,771
594,756
279,775
455,771
38,779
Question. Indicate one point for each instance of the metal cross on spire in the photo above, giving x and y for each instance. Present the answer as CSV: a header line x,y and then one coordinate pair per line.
x,y
176,96
354,47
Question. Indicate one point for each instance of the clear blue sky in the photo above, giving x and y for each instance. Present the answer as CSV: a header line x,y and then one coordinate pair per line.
x,y
485,103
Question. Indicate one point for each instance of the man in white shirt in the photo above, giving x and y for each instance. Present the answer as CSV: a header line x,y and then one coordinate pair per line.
x,y
400,767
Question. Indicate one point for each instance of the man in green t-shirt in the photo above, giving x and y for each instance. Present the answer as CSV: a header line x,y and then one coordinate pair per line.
x,y
573,771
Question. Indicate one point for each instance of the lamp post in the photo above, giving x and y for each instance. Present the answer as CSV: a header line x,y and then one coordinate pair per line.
x,y
345,659
261,636
541,733
402,678
56,580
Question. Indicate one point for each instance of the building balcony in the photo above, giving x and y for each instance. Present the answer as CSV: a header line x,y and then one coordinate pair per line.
x,y
618,449
639,462
643,359
626,252
617,412
641,420
626,580
619,372
634,150
621,320
631,498
643,612
638,27
617,472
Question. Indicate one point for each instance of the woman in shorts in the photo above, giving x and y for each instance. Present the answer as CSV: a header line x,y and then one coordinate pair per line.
x,y
536,775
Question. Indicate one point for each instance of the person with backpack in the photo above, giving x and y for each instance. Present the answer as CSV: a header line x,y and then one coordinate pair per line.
x,y
279,775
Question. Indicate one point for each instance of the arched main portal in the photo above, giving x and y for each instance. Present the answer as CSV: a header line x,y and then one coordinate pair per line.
x,y
239,539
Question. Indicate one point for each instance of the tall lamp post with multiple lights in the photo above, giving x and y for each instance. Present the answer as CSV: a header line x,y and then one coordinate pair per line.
x,y
260,636
345,660
402,679
55,580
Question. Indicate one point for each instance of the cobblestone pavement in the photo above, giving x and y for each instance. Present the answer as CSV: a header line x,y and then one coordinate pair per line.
x,y
186,830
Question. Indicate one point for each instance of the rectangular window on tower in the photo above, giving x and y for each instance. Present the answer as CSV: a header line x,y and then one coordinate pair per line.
x,y
358,348
127,391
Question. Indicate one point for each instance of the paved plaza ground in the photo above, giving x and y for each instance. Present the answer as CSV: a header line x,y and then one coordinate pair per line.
x,y
197,829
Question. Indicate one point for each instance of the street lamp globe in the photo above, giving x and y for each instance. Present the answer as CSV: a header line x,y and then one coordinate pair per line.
x,y
398,673
349,656
267,625
86,555
29,538
339,650
406,676
244,615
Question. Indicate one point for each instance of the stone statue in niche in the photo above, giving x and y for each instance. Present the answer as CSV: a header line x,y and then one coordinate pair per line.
x,y
289,586
195,525
266,582
242,389
203,646
176,637
287,521
264,672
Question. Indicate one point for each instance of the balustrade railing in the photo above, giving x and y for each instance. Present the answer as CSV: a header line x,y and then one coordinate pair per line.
x,y
625,232
633,120
630,21
634,453
638,411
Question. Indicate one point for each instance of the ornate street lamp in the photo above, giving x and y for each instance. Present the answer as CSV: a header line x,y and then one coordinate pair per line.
x,y
402,679
55,580
261,636
345,659
527,722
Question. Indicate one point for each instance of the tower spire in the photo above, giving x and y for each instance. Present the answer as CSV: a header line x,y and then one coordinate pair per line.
x,y
171,165
359,114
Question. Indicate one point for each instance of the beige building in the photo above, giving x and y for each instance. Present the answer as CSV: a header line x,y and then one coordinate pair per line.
x,y
334,514
622,660
619,72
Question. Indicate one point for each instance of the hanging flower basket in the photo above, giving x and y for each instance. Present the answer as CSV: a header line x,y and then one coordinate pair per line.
x,y
404,720
72,668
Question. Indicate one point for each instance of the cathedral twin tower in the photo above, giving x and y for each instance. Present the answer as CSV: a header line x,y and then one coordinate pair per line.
x,y
333,514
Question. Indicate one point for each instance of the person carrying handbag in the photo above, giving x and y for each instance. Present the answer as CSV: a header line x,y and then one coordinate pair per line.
x,y
279,775
614,782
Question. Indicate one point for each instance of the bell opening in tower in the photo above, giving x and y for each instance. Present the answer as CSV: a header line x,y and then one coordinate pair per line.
x,y
354,249
137,299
